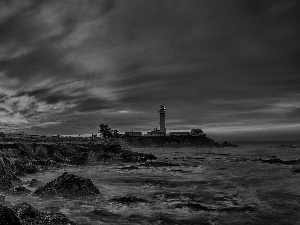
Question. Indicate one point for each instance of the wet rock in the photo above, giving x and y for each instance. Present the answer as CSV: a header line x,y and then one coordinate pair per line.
x,y
159,164
297,170
203,207
21,190
4,202
129,168
34,183
129,156
6,174
68,184
145,157
25,166
128,199
227,144
104,156
5,183
7,216
80,158
31,216
2,198
275,160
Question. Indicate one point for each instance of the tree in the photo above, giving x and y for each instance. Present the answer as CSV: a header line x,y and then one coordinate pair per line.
x,y
107,132
116,134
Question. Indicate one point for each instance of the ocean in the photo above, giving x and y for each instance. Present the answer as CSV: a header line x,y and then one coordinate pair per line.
x,y
191,186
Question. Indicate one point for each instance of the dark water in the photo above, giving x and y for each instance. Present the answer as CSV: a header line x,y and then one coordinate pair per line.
x,y
210,186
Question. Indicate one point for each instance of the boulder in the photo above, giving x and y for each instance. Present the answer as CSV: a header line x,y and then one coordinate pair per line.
x,y
7,216
2,198
5,183
21,190
34,183
80,158
6,175
29,215
68,184
4,202
227,144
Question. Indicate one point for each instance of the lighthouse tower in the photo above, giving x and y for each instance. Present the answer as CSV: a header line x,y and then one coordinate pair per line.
x,y
162,113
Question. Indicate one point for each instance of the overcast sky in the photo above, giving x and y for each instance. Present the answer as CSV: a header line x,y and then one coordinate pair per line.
x,y
229,67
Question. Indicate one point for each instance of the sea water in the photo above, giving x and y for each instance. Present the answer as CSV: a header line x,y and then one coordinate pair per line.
x,y
204,186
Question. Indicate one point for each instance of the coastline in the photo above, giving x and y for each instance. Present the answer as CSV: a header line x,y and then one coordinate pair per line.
x,y
19,158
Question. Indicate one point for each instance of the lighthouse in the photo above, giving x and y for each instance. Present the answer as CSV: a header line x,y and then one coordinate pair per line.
x,y
162,113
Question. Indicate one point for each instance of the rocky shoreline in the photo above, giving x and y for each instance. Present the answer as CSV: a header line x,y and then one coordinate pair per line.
x,y
20,158
176,141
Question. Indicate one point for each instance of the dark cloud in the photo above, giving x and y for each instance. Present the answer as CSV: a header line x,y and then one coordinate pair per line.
x,y
93,104
46,95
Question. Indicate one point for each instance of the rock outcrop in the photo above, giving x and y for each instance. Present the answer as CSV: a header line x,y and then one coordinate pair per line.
x,y
70,185
28,215
25,157
33,183
7,216
227,144
21,190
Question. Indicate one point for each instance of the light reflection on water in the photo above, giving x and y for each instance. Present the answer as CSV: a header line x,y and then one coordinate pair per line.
x,y
214,178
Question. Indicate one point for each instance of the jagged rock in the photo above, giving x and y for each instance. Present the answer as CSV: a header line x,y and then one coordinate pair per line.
x,y
4,202
194,206
24,166
21,190
79,158
7,216
5,183
227,144
128,199
34,183
145,156
159,164
6,174
31,216
68,184
2,198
